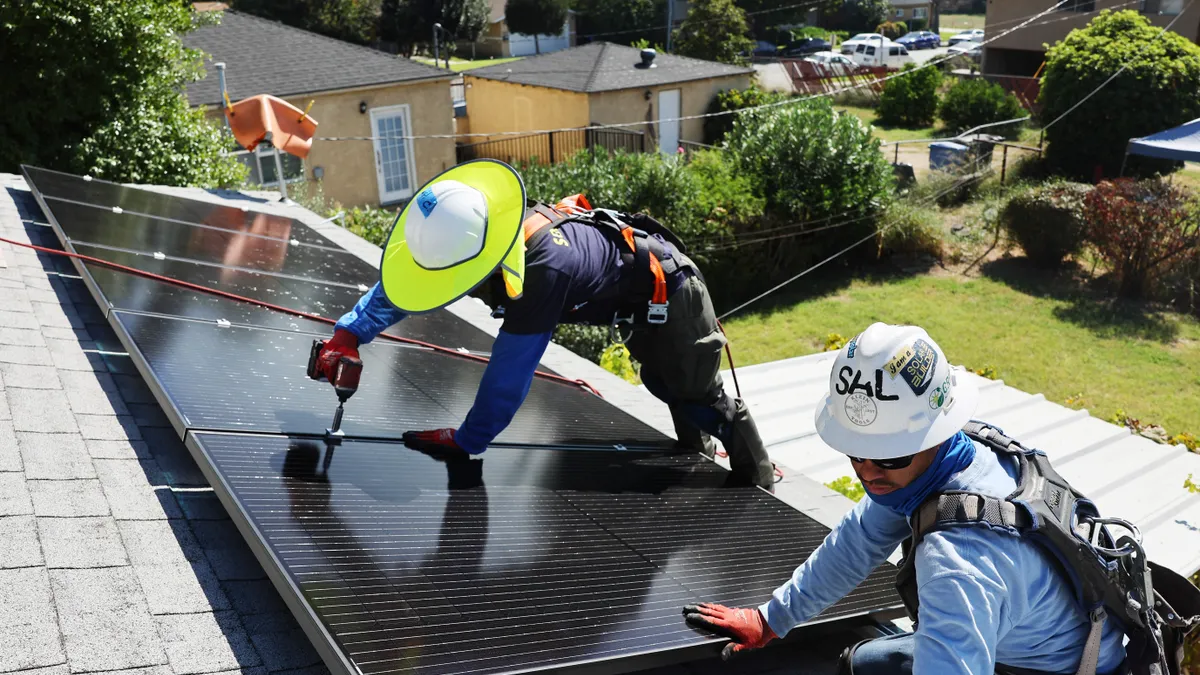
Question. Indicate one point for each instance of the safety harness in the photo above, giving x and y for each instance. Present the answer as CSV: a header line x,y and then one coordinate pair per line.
x,y
1110,575
646,261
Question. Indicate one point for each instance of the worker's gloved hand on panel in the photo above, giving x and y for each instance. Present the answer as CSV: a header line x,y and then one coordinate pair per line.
x,y
744,626
435,440
343,343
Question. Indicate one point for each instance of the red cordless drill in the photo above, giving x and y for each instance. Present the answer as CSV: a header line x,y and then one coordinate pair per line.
x,y
346,373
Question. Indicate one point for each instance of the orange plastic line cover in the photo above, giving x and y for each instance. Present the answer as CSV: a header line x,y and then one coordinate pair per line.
x,y
253,118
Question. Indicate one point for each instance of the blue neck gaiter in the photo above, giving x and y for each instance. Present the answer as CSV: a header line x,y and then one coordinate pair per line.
x,y
953,456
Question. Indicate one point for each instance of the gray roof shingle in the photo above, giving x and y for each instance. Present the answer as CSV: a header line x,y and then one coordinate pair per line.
x,y
603,66
267,57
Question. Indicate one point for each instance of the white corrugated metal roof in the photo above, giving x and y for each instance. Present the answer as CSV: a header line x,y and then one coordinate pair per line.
x,y
1127,476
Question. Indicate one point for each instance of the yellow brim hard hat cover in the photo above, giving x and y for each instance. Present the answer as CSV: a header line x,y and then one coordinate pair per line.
x,y
415,289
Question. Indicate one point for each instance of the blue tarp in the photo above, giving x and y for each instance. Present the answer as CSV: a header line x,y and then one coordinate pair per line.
x,y
1181,143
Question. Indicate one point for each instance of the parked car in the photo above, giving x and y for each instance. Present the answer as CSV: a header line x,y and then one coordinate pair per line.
x,y
833,63
921,39
971,50
852,44
806,46
889,54
765,49
973,35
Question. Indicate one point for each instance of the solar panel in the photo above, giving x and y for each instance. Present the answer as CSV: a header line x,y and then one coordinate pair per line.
x,y
132,293
226,248
254,380
522,559
103,195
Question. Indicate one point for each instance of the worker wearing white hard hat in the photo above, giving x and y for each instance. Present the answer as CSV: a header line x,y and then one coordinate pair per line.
x,y
985,601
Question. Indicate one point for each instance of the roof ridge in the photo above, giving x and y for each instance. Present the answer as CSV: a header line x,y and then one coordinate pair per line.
x,y
587,85
343,43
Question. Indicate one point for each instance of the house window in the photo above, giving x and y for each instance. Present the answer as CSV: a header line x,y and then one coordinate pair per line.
x,y
1078,6
261,163
899,13
920,12
1162,7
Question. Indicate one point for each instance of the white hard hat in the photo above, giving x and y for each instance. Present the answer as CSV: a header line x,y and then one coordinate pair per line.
x,y
448,226
893,394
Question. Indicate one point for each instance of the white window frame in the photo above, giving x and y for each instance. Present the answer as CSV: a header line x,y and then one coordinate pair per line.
x,y
265,152
921,12
899,13
409,154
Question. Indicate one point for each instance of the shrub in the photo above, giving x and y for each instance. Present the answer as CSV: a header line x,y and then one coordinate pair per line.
x,y
1138,228
911,99
892,29
1047,221
849,486
1160,67
809,163
726,198
915,25
617,360
715,128
912,229
975,101
815,32
586,341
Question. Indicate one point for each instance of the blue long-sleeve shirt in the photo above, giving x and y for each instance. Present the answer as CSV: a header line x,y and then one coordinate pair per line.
x,y
985,597
505,382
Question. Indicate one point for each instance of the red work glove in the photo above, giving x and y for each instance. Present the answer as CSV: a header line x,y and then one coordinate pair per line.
x,y
434,440
343,343
746,627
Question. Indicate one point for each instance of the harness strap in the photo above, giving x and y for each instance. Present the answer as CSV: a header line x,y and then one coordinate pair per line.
x,y
967,508
1091,649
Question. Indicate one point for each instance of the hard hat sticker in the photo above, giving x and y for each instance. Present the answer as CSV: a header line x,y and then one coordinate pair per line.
x,y
915,363
426,201
861,410
937,397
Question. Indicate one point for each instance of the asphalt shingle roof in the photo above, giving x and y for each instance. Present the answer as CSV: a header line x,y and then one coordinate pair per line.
x,y
603,66
267,57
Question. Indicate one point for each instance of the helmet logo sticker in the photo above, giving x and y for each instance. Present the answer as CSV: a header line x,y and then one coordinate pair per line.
x,y
856,386
426,201
937,397
852,346
861,410
915,363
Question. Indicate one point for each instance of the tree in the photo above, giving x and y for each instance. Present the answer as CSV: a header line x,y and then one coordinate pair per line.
x,y
972,102
714,30
859,16
96,87
407,23
474,19
1159,89
349,20
535,17
763,14
910,100
622,21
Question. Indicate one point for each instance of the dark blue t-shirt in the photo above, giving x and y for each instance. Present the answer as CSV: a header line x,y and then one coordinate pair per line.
x,y
566,267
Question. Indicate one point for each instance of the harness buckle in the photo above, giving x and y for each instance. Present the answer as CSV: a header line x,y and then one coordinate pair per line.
x,y
657,314
614,330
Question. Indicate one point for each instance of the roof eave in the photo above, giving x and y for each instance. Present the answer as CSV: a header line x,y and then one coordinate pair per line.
x,y
343,90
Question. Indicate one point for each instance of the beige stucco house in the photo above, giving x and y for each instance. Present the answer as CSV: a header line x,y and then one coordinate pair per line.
x,y
1021,52
498,42
910,10
595,84
354,91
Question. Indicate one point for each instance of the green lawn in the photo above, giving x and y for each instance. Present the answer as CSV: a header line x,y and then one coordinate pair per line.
x,y
459,65
957,22
891,134
1040,337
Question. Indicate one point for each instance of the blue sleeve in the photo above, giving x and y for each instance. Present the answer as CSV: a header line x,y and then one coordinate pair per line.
x,y
505,383
963,606
371,316
860,543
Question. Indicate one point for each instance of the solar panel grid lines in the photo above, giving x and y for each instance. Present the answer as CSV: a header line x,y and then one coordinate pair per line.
x,y
515,561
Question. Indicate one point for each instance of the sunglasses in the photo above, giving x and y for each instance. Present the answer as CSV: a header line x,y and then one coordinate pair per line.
x,y
887,464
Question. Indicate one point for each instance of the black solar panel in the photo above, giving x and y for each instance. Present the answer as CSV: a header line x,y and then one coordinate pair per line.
x,y
128,292
522,559
215,246
104,195
254,380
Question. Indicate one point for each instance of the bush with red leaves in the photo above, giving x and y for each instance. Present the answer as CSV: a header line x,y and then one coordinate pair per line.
x,y
1141,228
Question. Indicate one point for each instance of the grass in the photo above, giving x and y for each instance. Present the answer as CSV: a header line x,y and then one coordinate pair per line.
x,y
890,134
957,22
458,65
1038,337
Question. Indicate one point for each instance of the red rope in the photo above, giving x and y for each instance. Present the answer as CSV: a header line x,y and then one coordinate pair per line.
x,y
278,308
